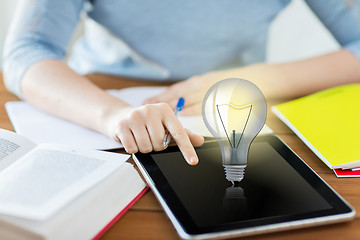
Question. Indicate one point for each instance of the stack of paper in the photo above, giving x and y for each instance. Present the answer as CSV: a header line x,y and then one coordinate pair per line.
x,y
328,123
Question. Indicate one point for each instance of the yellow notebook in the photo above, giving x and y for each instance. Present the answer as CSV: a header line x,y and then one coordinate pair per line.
x,y
328,122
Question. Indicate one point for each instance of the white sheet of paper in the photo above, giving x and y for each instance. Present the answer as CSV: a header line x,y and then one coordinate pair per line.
x,y
41,127
48,177
45,128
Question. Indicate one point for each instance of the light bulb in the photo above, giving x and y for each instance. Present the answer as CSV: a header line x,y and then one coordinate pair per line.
x,y
234,111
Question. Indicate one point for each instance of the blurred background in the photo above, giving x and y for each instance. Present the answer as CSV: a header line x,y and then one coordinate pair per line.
x,y
295,34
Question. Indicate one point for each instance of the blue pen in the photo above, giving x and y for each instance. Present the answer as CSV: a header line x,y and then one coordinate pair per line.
x,y
178,108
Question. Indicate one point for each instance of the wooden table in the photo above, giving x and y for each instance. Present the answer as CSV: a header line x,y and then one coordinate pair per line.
x,y
147,220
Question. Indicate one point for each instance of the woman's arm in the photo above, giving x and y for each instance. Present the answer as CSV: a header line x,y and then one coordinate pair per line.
x,y
53,87
303,77
292,79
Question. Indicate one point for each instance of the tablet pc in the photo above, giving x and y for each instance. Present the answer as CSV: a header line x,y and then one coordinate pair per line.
x,y
279,191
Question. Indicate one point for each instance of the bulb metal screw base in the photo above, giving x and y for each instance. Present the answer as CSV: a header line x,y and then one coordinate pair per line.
x,y
234,173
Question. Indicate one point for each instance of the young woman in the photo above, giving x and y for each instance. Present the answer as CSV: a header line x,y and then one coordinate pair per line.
x,y
193,43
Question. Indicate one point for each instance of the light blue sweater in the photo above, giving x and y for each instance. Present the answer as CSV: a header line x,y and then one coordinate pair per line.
x,y
154,39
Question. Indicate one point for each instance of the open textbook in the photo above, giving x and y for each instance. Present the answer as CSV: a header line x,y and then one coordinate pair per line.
x,y
45,128
53,191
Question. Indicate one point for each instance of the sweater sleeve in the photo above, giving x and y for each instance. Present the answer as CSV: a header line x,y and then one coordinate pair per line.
x,y
40,29
342,19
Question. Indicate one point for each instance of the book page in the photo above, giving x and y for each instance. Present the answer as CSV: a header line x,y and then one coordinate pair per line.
x,y
50,176
12,147
42,127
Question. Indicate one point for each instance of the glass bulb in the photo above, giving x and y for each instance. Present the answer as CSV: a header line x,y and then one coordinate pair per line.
x,y
234,111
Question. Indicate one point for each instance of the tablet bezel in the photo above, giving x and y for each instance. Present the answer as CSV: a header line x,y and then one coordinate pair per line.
x,y
181,219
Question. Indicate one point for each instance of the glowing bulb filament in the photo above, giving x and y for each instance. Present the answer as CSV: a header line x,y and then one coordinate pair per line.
x,y
232,139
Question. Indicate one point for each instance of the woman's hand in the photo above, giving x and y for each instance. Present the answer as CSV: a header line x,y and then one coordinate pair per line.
x,y
143,129
193,89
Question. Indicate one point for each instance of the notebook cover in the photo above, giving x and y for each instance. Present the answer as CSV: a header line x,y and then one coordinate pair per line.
x,y
328,123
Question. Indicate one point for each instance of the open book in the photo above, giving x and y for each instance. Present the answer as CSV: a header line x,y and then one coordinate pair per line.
x,y
44,128
53,191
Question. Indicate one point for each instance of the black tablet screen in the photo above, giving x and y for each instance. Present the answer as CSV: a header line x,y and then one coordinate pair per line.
x,y
271,187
